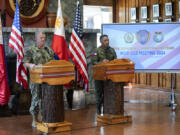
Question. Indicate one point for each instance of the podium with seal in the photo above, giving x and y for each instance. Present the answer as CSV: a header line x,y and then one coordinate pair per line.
x,y
114,74
52,76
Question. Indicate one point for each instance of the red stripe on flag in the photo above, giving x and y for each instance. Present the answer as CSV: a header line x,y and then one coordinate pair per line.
x,y
17,36
4,87
59,46
77,53
80,45
74,55
23,76
17,44
79,67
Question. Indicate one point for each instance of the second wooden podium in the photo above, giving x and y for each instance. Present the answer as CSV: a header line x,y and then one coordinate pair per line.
x,y
114,74
52,76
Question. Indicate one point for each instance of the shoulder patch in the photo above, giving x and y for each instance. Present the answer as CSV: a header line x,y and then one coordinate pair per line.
x,y
94,54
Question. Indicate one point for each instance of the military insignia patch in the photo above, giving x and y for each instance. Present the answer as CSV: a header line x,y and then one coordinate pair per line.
x,y
94,54
143,36
158,37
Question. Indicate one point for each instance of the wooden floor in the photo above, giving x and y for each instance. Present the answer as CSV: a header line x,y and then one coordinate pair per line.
x,y
150,116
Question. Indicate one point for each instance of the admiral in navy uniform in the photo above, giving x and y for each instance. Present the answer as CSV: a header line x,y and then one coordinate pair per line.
x,y
37,55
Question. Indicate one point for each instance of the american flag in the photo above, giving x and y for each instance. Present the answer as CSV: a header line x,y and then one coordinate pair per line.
x,y
77,49
17,44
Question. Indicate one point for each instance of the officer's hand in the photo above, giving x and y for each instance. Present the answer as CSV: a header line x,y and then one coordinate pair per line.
x,y
32,66
105,61
39,66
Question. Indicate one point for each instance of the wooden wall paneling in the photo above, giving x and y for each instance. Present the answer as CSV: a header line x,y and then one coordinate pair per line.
x,y
164,78
150,9
177,86
136,78
121,5
137,3
160,80
175,83
148,79
137,11
139,78
161,75
130,5
115,7
143,79
161,10
174,4
177,11
154,80
149,5
127,11
142,3
168,81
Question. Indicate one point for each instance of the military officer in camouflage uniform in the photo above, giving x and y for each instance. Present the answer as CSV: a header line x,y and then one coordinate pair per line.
x,y
103,54
35,56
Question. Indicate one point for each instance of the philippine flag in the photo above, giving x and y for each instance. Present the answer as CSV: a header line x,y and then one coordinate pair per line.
x,y
4,87
59,45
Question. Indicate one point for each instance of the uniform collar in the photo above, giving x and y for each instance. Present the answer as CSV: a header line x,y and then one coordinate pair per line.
x,y
104,48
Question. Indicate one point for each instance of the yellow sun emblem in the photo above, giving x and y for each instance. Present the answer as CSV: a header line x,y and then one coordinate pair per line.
x,y
59,22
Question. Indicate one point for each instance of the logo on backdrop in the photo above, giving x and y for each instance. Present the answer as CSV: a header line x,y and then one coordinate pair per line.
x,y
143,36
128,37
158,37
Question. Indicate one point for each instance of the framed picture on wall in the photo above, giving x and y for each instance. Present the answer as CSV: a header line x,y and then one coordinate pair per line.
x,y
155,21
168,20
144,12
133,13
168,9
133,21
155,10
143,21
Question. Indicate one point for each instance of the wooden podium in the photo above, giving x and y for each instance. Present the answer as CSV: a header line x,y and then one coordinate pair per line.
x,y
53,75
114,74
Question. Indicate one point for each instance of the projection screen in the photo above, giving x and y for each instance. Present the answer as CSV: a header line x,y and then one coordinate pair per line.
x,y
152,46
